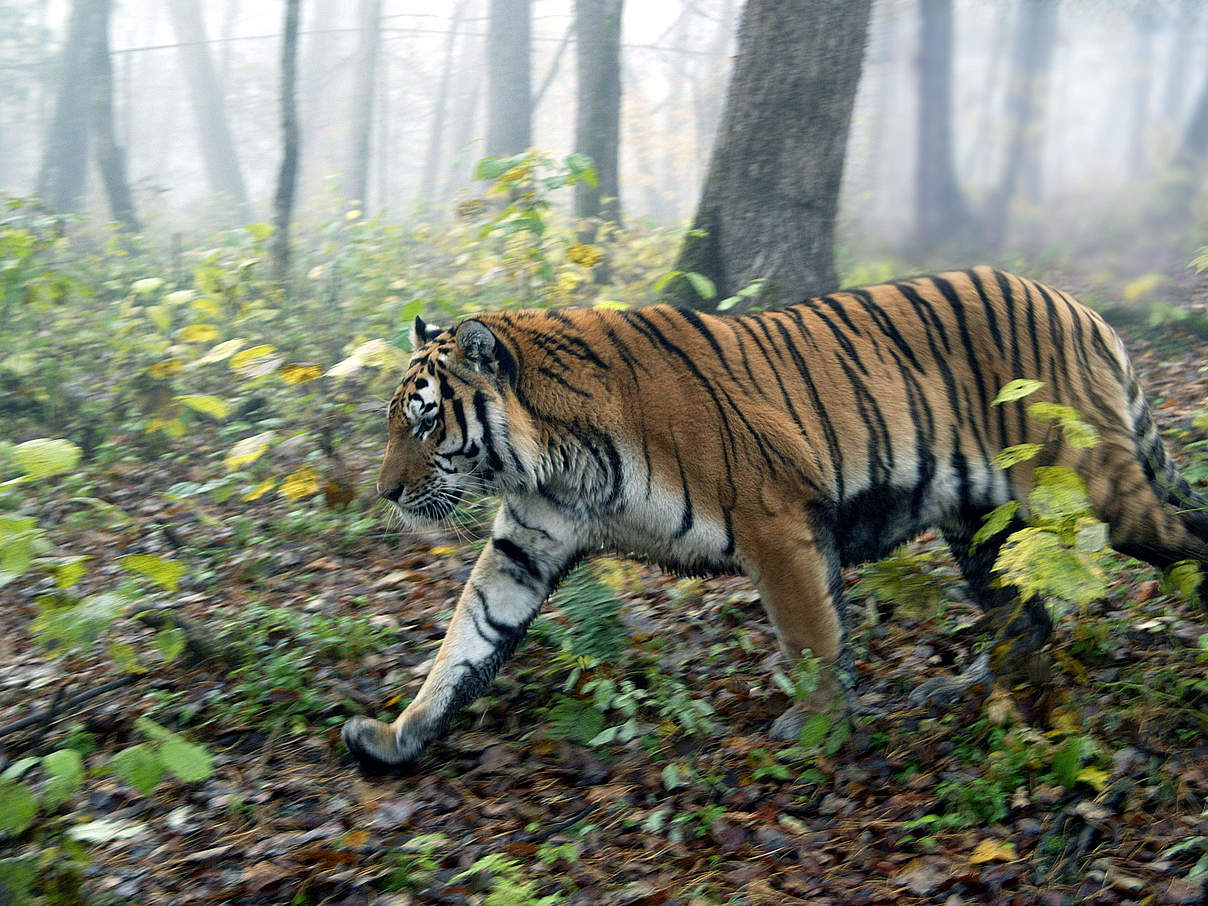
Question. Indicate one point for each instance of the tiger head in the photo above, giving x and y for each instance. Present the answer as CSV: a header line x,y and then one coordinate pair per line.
x,y
449,422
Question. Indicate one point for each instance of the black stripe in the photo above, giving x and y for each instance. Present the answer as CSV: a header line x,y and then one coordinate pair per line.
x,y
520,557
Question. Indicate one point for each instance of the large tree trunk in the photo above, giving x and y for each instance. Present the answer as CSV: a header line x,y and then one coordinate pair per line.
x,y
510,103
213,129
1027,92
436,131
941,208
772,192
111,160
283,200
368,38
598,120
64,169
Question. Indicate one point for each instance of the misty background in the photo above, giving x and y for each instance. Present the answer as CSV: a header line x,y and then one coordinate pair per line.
x,y
1116,93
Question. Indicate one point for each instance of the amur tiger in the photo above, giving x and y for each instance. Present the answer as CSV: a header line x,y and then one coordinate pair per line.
x,y
785,445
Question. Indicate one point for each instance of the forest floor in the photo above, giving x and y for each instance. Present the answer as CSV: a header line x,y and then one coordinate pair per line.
x,y
1088,786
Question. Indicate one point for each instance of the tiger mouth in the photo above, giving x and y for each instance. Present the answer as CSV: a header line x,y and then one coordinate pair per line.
x,y
434,507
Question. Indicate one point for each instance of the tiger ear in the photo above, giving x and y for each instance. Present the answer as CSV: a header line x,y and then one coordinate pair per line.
x,y
476,342
423,332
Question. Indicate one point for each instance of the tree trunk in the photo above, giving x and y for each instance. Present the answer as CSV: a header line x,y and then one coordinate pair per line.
x,y
368,38
772,192
1031,58
64,171
598,121
111,159
509,104
436,131
941,208
283,201
213,129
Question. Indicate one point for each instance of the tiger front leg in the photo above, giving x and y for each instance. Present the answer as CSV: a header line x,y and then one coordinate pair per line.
x,y
513,576
796,571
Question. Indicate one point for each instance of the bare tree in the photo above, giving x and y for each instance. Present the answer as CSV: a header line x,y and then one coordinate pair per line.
x,y
771,195
64,173
283,200
941,208
598,117
111,159
1027,91
213,129
369,30
436,132
509,90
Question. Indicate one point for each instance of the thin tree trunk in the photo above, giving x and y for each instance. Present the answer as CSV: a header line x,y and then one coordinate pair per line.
x,y
1031,58
64,171
213,128
509,105
436,132
941,208
111,159
598,121
471,74
369,32
283,200
554,66
771,196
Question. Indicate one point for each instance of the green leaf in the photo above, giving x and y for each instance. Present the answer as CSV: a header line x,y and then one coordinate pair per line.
x,y
146,285
153,730
814,730
69,571
994,522
139,766
1067,761
1015,454
170,642
703,285
17,807
18,767
260,231
665,279
1052,412
190,763
80,623
1017,389
1091,537
1182,578
46,456
66,770
672,778
17,876
492,167
163,572
124,656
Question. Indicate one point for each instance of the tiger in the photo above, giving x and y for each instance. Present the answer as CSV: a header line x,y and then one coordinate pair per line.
x,y
784,444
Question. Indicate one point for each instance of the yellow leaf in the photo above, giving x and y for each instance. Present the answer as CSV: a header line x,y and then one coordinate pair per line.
x,y
69,573
261,489
443,550
300,484
247,450
207,405
990,850
612,305
165,369
208,307
220,352
162,571
250,355
161,316
583,254
299,373
198,333
1093,777
1143,286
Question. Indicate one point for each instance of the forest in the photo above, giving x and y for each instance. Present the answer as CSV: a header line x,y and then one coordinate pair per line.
x,y
218,223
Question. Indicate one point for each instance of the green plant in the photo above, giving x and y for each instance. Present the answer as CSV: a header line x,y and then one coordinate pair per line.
x,y
413,865
507,884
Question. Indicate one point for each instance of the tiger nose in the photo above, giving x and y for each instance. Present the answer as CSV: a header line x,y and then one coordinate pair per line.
x,y
391,493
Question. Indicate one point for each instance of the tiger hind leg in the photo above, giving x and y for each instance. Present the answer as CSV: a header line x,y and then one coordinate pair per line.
x,y
1017,630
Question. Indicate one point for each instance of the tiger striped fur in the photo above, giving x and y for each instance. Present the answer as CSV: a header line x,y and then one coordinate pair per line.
x,y
783,445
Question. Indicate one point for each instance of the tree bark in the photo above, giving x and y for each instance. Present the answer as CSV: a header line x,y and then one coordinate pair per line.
x,y
111,159
283,200
368,39
213,128
64,173
598,119
510,104
941,208
1031,59
436,132
771,196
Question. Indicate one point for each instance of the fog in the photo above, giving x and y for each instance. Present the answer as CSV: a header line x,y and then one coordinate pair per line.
x,y
1111,107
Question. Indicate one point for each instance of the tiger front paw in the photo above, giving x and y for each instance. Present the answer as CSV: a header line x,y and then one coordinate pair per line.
x,y
948,690
378,748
